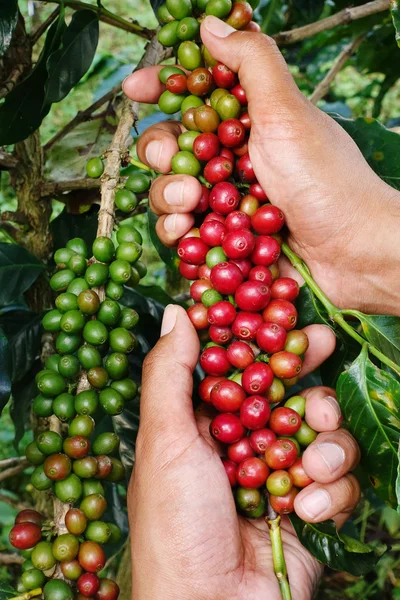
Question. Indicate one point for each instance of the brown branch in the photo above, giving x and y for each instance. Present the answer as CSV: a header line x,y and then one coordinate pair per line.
x,y
14,470
7,161
11,462
36,35
343,17
56,188
7,558
12,502
323,87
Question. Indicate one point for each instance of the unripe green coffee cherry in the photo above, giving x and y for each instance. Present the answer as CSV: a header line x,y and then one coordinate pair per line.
x,y
129,251
89,357
189,55
42,556
185,163
78,245
51,384
106,443
39,479
117,365
77,264
86,467
98,531
163,14
49,442
112,401
129,318
219,8
42,406
126,387
117,472
52,321
170,103
126,233
125,200
258,512
186,140
65,547
69,366
56,589
247,499
191,102
53,362
77,286
33,578
215,256
63,407
135,278
93,506
60,281
94,167
34,455
86,402
92,486
297,403
95,333
188,29
216,96
72,321
120,271
96,274
122,340
115,291
179,9
69,489
66,302
68,343
62,256
109,313
168,34
305,435
116,533
228,107
103,249
210,297
138,183
140,268
81,425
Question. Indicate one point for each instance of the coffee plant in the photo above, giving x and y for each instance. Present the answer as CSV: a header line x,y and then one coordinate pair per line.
x,y
76,323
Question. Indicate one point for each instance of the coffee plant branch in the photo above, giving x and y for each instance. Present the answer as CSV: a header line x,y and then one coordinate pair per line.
x,y
7,558
323,87
36,35
110,18
11,462
343,17
14,470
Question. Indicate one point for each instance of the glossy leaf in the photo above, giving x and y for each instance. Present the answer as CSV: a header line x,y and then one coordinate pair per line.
x,y
18,270
168,255
379,145
68,65
8,21
370,402
395,11
345,353
310,309
6,591
126,426
5,383
339,551
23,393
23,330
383,332
22,111
67,226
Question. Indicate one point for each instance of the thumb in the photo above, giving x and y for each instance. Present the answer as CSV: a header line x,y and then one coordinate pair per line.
x,y
262,70
167,385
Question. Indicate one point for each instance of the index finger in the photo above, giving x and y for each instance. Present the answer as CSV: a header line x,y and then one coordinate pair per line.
x,y
144,85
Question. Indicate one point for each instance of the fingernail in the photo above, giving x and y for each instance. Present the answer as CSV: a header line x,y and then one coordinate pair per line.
x,y
316,503
332,455
153,153
173,193
334,405
217,27
169,319
170,223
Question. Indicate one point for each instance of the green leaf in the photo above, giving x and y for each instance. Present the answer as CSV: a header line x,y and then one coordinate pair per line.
x,y
308,10
345,353
379,145
339,551
6,591
23,330
310,309
18,270
68,65
383,332
395,11
157,293
22,111
168,255
23,393
398,480
5,383
67,226
8,21
370,401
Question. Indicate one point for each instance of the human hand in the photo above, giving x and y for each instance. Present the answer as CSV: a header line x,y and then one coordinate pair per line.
x,y
341,215
187,538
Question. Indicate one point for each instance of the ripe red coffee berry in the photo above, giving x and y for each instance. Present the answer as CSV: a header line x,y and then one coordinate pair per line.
x,y
227,428
262,274
244,265
257,378
240,450
221,313
204,271
266,251
199,82
261,439
285,365
245,120
217,170
282,312
271,337
240,355
284,421
203,204
231,133
29,516
212,233
187,271
198,287
228,154
256,190
284,504
299,476
226,278
285,288
281,454
238,244
213,216
198,315
252,296
205,387
237,220
252,473
192,250
245,325
108,590
242,149
245,170
177,84
220,335
25,535
214,361
268,219
254,412
239,93
88,584
227,396
230,469
206,146
91,557
224,197
223,76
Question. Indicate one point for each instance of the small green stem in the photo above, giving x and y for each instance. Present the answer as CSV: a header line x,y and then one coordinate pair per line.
x,y
278,556
139,164
28,595
364,522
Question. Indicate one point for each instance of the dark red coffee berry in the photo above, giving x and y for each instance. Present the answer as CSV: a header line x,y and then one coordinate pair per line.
x,y
284,421
285,288
223,76
228,154
231,133
242,149
108,590
206,146
285,365
252,296
271,337
240,450
257,378
29,516
88,584
252,473
203,204
212,233
220,335
226,278
205,387
282,312
281,454
217,170
213,216
256,190
222,314
227,428
187,271
192,250
245,170
214,361
224,198
230,468
261,439
238,244
25,535
240,94
244,265
284,504
268,219
240,355
254,412
245,120
237,220
266,251
246,324
262,274
177,84
227,396
198,314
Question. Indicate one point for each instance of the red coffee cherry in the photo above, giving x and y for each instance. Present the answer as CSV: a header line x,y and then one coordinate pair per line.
x,y
242,149
268,219
284,421
192,250
214,361
237,220
238,244
227,396
199,82
240,355
187,271
205,387
198,287
262,274
257,378
284,504
240,450
299,476
25,535
261,439
108,590
224,197
245,170
177,84
282,312
213,216
246,324
212,232
220,335
285,365
230,468
88,584
256,190
266,251
285,288
77,446
227,428
217,170
223,76
281,454
198,314
254,412
252,296
204,271
29,516
206,146
226,278
222,314
271,337
252,473
228,154
244,265
238,91
231,133
91,557
245,120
